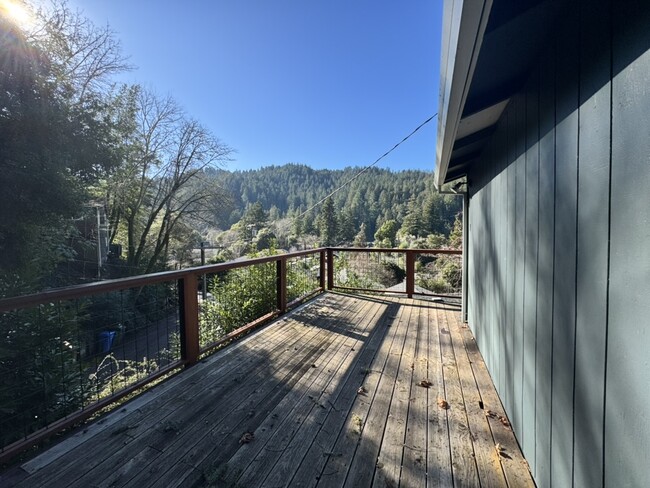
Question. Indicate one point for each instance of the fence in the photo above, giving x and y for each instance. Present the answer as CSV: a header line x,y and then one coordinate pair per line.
x,y
424,272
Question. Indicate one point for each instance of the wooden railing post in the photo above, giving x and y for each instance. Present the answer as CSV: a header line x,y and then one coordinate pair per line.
x,y
410,273
281,271
189,318
330,269
322,270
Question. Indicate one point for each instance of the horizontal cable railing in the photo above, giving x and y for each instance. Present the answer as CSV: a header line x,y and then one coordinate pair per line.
x,y
424,272
67,353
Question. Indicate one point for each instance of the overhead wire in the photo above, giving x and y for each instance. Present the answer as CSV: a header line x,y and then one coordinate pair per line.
x,y
368,167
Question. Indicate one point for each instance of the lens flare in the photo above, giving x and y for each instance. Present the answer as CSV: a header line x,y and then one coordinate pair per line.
x,y
16,12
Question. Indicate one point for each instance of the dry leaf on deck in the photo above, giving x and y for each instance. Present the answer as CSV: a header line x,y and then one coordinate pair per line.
x,y
425,383
501,451
362,390
246,438
442,403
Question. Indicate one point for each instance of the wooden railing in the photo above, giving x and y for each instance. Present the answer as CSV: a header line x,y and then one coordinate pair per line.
x,y
380,271
72,351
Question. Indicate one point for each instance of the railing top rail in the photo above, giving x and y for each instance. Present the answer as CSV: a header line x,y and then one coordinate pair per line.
x,y
88,289
380,249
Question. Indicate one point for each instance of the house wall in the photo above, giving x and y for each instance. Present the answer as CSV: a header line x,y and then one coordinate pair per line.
x,y
559,252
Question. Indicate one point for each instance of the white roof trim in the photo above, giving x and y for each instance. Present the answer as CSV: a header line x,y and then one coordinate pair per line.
x,y
480,120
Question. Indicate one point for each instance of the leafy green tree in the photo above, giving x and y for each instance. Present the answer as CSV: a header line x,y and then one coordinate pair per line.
x,y
56,139
265,239
387,232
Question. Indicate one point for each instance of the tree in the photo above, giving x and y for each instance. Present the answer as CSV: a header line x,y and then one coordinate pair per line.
x,y
456,234
328,223
361,239
345,227
253,220
160,183
412,224
387,232
55,142
84,57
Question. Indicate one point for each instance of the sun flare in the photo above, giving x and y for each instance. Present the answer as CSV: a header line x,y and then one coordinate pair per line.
x,y
16,12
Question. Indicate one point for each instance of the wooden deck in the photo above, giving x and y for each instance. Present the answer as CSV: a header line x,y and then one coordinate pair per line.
x,y
344,391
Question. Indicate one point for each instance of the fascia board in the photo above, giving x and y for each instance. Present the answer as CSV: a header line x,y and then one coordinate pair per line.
x,y
464,23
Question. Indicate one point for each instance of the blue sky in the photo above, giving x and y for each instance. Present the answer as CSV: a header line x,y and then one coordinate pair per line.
x,y
328,83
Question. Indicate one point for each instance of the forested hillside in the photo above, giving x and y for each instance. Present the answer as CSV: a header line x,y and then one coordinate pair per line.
x,y
374,197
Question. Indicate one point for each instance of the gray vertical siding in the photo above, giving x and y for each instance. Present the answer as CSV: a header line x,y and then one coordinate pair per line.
x,y
627,426
559,284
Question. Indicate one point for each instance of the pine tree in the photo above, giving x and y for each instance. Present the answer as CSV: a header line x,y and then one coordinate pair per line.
x,y
327,223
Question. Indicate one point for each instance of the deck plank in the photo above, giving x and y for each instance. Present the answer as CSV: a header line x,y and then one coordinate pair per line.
x,y
514,465
439,471
361,380
487,455
343,432
256,460
388,469
245,409
463,461
360,470
360,417
414,457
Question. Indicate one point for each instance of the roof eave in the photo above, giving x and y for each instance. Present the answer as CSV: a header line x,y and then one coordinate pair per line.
x,y
464,23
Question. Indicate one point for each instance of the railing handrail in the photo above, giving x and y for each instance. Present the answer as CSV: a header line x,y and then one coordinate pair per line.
x,y
89,289
396,250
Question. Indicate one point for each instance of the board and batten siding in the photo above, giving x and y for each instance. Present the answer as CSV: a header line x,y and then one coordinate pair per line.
x,y
559,252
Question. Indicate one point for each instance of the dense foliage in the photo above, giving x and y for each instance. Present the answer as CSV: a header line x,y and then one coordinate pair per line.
x,y
378,195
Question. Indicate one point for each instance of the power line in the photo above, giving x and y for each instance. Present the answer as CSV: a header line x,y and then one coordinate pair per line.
x,y
369,166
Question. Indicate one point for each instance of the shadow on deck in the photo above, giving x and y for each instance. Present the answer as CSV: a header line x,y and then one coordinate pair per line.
x,y
344,391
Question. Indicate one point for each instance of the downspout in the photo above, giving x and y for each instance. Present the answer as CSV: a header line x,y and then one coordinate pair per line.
x,y
465,254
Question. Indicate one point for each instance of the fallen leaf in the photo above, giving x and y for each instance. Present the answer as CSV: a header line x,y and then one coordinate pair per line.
x,y
362,390
442,403
504,421
357,421
246,438
425,383
501,451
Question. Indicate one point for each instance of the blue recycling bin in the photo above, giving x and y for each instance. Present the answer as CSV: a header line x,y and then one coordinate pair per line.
x,y
106,340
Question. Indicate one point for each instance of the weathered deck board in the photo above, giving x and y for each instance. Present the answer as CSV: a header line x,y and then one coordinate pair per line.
x,y
333,394
463,458
438,445
414,456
